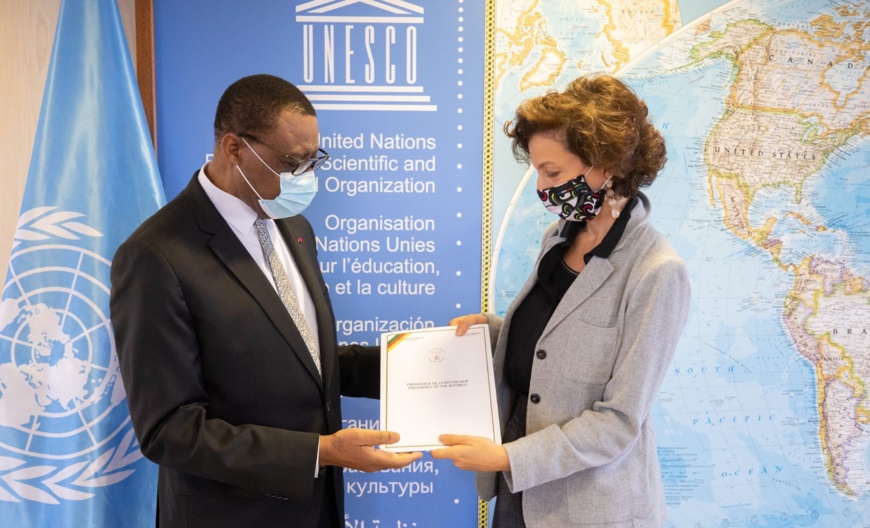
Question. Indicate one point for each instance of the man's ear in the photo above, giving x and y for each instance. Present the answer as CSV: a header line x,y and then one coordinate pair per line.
x,y
230,145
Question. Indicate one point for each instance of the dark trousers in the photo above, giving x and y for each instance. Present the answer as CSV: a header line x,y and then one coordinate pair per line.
x,y
328,506
509,506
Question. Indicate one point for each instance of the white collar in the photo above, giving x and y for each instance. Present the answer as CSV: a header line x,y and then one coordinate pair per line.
x,y
236,212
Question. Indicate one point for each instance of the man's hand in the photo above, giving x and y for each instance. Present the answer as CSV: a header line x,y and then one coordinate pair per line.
x,y
473,453
462,323
354,448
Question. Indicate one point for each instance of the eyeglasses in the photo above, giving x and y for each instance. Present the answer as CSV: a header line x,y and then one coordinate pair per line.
x,y
298,167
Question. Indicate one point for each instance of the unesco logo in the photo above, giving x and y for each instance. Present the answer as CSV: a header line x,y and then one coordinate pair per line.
x,y
64,427
362,55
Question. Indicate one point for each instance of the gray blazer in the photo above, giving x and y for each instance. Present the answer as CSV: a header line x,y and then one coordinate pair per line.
x,y
589,456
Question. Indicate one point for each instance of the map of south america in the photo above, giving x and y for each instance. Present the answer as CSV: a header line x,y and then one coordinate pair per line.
x,y
826,314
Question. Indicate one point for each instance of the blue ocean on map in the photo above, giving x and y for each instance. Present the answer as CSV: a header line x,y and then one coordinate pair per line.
x,y
841,197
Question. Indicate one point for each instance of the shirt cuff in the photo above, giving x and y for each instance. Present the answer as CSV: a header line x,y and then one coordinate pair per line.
x,y
317,460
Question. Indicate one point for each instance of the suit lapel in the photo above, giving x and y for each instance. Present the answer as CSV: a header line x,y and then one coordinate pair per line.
x,y
227,247
586,283
303,253
549,242
598,269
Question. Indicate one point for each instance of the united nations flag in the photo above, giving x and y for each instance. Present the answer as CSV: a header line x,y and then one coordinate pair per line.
x,y
68,455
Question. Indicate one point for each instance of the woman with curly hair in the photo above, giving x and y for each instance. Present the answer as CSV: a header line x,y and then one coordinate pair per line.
x,y
582,351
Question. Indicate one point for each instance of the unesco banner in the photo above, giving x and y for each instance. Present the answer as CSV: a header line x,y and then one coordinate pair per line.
x,y
398,88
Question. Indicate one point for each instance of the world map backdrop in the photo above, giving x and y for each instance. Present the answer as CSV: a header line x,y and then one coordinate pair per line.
x,y
764,418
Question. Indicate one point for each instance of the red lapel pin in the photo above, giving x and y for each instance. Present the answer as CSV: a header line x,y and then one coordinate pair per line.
x,y
299,240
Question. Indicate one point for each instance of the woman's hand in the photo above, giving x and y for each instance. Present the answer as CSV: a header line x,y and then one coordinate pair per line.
x,y
462,323
473,453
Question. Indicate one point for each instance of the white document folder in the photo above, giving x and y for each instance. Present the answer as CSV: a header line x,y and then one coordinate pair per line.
x,y
434,382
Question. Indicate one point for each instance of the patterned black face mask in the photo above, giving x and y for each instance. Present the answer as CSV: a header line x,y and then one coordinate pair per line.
x,y
573,200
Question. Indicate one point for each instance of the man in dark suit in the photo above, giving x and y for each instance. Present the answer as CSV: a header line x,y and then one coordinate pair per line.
x,y
226,335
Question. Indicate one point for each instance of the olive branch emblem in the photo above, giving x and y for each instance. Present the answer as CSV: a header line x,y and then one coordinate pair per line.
x,y
34,482
40,223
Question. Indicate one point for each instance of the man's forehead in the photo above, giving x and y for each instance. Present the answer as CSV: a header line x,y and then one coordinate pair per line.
x,y
296,133
294,117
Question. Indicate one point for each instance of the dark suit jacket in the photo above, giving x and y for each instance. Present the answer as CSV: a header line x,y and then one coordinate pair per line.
x,y
223,393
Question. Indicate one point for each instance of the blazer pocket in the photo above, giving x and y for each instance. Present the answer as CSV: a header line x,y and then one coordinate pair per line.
x,y
614,495
590,352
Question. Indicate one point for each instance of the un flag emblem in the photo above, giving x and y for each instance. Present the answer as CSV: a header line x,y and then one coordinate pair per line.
x,y
64,424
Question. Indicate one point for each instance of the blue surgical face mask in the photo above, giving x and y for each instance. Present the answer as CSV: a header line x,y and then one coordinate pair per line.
x,y
295,195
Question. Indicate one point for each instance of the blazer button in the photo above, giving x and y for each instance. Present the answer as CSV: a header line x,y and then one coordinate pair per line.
x,y
535,398
541,354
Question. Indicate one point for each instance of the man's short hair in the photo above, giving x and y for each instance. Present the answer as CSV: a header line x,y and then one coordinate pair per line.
x,y
253,103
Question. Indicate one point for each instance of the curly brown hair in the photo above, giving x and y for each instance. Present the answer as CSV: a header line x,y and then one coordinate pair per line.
x,y
603,122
